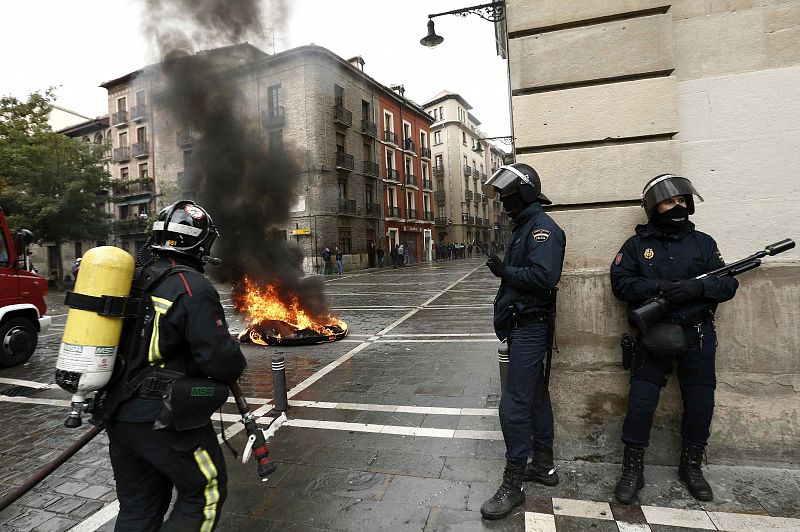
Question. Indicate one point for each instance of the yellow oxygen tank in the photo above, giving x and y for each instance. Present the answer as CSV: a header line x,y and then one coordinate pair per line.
x,y
89,345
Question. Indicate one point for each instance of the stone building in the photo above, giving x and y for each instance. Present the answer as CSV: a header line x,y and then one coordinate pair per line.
x,y
460,166
607,95
302,100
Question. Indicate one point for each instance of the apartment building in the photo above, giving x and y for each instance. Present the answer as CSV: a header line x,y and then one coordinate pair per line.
x,y
460,166
301,101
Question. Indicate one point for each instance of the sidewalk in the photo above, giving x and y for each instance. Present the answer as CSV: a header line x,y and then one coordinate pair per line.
x,y
394,428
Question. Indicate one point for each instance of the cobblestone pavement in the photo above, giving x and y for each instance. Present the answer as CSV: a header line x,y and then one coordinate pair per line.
x,y
393,428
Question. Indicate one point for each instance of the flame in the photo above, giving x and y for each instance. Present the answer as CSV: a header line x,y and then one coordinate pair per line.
x,y
261,304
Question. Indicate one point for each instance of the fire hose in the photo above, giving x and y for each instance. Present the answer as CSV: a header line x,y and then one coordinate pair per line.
x,y
256,444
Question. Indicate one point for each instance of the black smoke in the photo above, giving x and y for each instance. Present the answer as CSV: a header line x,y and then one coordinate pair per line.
x,y
246,185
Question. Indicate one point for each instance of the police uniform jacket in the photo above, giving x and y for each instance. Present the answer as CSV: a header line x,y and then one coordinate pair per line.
x,y
651,255
189,335
534,258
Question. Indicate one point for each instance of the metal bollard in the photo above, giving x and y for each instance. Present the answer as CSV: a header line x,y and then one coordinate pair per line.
x,y
279,384
502,359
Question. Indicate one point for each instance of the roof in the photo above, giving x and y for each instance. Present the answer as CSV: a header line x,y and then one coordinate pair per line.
x,y
447,95
91,125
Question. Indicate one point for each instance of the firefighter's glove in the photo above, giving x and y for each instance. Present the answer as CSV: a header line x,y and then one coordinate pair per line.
x,y
662,285
683,291
496,265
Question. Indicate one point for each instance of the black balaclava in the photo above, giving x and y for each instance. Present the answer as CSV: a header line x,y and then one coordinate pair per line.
x,y
673,220
513,205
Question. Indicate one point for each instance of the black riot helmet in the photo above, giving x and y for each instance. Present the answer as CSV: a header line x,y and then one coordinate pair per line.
x,y
517,177
667,186
185,228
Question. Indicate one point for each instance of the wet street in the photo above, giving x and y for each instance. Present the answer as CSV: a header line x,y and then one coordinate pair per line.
x,y
393,428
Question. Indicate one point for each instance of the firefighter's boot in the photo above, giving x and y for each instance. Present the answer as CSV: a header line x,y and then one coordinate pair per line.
x,y
632,479
509,495
541,468
691,473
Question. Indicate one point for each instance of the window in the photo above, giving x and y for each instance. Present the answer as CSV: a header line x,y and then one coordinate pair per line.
x,y
408,166
388,122
441,113
4,259
345,242
438,160
434,114
123,212
338,95
123,140
466,183
406,130
141,134
425,171
464,138
369,194
367,152
391,197
122,104
441,211
423,139
437,137
123,173
366,111
139,98
98,138
409,200
342,190
465,161
143,171
389,159
275,140
274,100
340,140
440,184
426,201
144,208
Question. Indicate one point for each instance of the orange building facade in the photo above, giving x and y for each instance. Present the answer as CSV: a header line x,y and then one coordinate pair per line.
x,y
405,158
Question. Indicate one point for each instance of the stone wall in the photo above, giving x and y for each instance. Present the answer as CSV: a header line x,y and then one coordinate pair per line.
x,y
605,96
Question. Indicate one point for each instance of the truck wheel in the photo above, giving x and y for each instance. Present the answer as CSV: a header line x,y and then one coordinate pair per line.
x,y
18,339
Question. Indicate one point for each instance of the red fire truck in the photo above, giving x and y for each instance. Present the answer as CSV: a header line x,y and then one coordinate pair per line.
x,y
22,307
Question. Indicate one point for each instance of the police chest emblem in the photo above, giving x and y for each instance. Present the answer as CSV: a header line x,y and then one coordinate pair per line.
x,y
540,235
648,253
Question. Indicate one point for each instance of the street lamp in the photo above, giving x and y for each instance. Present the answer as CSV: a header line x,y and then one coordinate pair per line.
x,y
493,12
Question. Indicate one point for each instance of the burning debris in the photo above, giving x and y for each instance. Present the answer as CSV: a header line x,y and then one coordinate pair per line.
x,y
273,321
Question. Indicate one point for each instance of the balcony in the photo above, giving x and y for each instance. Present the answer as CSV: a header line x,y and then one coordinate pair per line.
x,y
441,220
141,149
274,118
130,226
483,178
408,145
119,119
393,212
468,195
345,161
411,180
369,129
479,221
438,170
133,187
184,138
440,197
411,214
484,199
427,184
371,169
392,175
342,116
467,169
373,209
486,222
470,220
121,154
477,198
425,153
427,216
390,137
139,112
346,206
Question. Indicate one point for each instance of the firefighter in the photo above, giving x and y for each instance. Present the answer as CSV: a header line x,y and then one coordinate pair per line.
x,y
189,337
523,315
662,258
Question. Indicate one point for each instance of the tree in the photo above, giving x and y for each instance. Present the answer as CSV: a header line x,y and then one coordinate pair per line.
x,y
49,183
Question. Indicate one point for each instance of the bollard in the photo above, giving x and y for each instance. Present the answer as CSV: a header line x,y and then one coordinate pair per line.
x,y
502,359
279,384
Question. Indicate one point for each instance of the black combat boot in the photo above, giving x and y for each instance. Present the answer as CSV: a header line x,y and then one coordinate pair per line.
x,y
541,468
509,495
691,473
632,475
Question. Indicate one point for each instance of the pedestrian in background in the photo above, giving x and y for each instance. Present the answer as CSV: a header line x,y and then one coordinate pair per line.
x,y
523,316
380,257
401,255
76,266
662,259
393,254
326,259
339,257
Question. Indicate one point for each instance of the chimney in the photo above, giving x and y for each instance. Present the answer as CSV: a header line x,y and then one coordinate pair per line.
x,y
357,62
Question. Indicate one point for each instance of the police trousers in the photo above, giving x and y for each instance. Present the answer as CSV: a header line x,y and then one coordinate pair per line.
x,y
697,378
148,464
526,414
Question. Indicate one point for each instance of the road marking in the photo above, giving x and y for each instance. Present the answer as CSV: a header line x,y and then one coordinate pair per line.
x,y
410,335
696,519
97,519
435,340
395,429
577,508
536,522
28,384
397,408
34,401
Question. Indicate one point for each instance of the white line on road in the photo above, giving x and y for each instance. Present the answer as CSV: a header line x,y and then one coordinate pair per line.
x,y
396,429
97,519
436,340
28,384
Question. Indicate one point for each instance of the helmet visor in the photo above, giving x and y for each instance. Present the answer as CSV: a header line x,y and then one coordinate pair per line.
x,y
505,180
665,187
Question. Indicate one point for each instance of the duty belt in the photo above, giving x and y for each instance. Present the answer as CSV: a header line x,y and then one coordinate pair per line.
x,y
539,316
153,387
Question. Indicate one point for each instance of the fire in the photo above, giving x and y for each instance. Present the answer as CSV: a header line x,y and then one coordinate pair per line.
x,y
272,320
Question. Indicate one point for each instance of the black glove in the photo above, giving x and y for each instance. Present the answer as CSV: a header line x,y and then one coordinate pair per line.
x,y
497,265
662,285
683,291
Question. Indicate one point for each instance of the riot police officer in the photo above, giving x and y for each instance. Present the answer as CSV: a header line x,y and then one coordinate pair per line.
x,y
523,316
662,259
189,336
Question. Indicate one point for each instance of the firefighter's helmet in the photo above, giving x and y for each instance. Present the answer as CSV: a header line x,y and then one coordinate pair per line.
x,y
186,228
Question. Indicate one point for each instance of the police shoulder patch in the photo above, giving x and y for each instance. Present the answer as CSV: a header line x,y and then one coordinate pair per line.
x,y
618,259
540,235
719,255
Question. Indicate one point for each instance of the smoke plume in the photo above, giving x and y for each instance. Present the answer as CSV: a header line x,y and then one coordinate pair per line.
x,y
247,186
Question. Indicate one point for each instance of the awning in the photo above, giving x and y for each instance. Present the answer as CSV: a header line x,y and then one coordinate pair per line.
x,y
134,201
